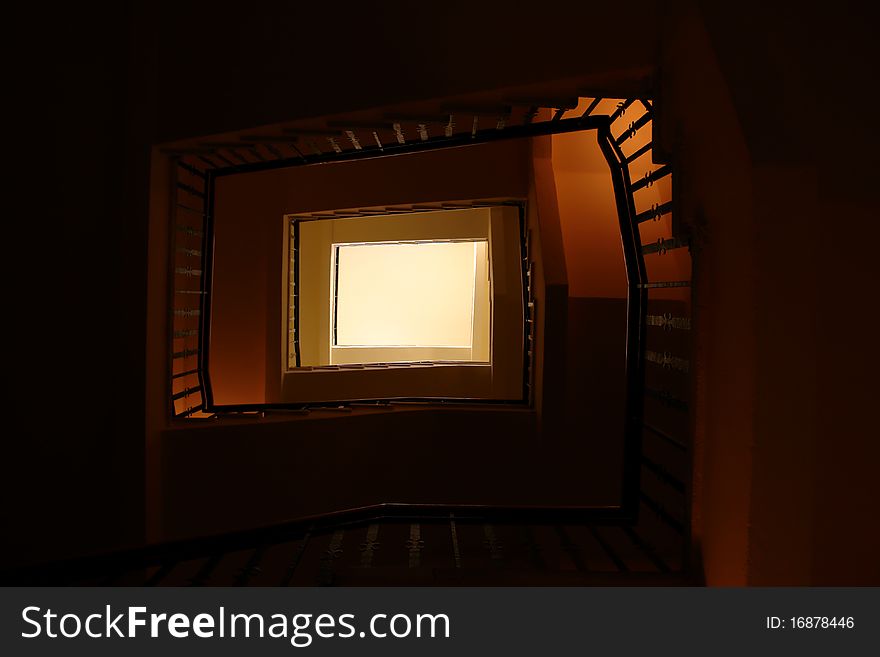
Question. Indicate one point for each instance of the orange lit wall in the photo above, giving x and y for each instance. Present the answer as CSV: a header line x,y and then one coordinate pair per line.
x,y
588,216
594,335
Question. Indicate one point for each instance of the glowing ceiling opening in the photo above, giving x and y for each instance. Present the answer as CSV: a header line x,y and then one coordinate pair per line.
x,y
408,294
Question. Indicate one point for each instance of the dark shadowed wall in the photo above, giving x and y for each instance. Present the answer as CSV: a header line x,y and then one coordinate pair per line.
x,y
785,458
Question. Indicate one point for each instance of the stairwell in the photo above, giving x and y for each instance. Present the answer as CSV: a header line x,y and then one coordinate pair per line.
x,y
578,331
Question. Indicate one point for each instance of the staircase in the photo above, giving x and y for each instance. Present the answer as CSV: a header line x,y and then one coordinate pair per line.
x,y
649,542
393,552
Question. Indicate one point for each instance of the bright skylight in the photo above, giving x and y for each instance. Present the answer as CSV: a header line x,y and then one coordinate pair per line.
x,y
418,294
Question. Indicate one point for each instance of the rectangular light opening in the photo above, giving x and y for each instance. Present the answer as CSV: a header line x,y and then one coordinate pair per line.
x,y
415,300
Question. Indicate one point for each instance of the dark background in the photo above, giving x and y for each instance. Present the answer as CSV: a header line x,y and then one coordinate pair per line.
x,y
93,87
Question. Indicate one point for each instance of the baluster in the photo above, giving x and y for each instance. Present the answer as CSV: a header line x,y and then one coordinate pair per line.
x,y
665,437
621,109
668,322
191,169
667,361
571,549
296,558
161,574
663,284
663,474
453,532
449,128
633,128
203,575
661,512
666,399
251,568
184,353
209,162
253,150
638,153
651,177
662,246
273,150
654,213
533,550
354,140
369,547
592,106
398,132
414,545
187,271
331,554
189,189
493,544
609,552
647,550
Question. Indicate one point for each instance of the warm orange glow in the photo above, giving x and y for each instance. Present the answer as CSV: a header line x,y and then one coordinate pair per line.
x,y
588,217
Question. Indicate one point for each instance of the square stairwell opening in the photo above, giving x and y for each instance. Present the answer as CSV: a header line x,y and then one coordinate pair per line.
x,y
420,302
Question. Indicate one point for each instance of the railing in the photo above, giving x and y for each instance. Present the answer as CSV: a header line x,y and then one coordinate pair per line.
x,y
188,256
664,297
391,544
656,475
198,168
